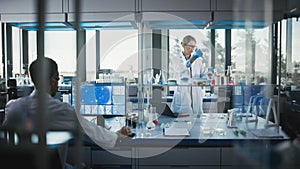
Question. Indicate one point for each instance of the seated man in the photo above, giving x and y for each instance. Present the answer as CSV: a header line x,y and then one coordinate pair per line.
x,y
22,113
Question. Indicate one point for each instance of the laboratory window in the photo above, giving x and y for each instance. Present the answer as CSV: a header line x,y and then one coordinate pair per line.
x,y
119,50
293,54
61,46
16,53
32,46
219,50
251,55
1,56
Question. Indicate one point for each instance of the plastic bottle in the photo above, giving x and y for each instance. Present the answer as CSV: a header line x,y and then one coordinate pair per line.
x,y
217,78
211,77
229,76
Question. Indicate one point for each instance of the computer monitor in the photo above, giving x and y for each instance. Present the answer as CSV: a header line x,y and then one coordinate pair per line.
x,y
103,99
96,95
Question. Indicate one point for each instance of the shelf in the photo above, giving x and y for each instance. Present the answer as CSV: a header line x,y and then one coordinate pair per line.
x,y
193,85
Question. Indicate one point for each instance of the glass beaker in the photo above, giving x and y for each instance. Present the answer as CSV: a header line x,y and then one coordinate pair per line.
x,y
150,124
154,115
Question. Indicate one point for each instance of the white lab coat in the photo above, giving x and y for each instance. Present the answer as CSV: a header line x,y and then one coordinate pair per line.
x,y
60,116
182,101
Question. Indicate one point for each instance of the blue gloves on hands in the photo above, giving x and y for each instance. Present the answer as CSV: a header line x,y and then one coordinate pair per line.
x,y
198,53
188,63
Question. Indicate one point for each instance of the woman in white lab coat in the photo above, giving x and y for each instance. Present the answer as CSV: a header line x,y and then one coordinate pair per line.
x,y
187,66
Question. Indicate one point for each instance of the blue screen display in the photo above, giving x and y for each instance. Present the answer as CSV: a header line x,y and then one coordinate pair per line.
x,y
96,95
102,99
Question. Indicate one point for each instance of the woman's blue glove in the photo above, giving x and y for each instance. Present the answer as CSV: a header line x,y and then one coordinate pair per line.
x,y
198,53
188,63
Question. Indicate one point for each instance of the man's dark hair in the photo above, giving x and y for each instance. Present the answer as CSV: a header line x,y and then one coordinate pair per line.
x,y
36,67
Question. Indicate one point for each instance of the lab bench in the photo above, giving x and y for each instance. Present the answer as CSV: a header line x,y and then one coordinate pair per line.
x,y
210,144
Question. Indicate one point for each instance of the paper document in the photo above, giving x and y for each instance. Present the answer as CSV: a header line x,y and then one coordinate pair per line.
x,y
176,132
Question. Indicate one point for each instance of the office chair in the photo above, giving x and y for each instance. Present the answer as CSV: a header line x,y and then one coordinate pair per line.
x,y
254,107
17,151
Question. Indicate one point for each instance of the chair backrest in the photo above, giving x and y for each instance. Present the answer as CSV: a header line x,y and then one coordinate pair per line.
x,y
258,105
258,98
17,151
28,156
263,106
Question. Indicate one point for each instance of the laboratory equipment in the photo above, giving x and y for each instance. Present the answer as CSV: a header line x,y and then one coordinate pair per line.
x,y
154,115
150,124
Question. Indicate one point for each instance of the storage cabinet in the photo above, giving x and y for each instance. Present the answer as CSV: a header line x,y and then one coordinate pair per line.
x,y
104,6
177,157
232,159
29,6
193,158
113,158
175,5
181,157
179,167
